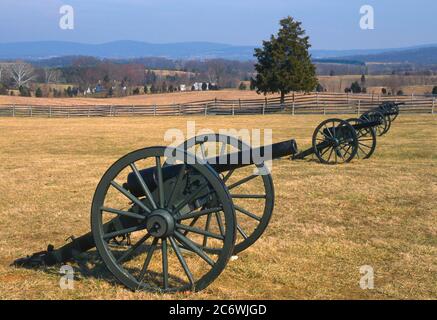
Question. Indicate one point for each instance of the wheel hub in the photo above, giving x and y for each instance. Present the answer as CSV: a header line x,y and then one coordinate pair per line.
x,y
160,224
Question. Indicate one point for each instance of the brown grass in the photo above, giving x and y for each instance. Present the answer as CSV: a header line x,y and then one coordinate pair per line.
x,y
374,83
160,99
328,221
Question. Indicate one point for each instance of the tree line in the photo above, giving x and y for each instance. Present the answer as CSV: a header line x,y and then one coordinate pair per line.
x,y
87,75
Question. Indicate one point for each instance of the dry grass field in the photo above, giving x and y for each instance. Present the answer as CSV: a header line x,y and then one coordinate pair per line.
x,y
160,99
328,220
417,85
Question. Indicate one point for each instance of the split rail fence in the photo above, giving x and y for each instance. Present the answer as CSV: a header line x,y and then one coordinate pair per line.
x,y
295,104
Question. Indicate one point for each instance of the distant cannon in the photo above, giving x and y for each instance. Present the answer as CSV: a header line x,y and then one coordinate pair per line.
x,y
338,141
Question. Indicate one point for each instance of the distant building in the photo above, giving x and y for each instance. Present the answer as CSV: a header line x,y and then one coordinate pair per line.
x,y
199,86
99,88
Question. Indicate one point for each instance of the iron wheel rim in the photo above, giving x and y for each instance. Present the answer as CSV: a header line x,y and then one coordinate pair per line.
x,y
125,276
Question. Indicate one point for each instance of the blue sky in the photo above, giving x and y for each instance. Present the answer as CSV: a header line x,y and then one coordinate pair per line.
x,y
331,24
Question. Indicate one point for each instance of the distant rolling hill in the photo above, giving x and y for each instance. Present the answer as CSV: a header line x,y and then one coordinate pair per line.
x,y
40,50
124,50
426,56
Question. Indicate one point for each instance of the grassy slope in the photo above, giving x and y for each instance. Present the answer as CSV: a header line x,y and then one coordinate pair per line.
x,y
161,99
328,220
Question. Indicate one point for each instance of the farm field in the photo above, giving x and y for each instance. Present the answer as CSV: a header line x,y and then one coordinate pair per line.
x,y
328,220
417,85
160,99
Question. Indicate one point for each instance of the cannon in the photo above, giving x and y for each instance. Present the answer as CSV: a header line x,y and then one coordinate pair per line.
x,y
337,141
167,220
385,113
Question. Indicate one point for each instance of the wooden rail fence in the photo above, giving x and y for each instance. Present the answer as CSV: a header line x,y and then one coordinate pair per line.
x,y
295,104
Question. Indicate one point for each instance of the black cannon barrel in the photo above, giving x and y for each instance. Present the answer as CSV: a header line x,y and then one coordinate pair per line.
x,y
253,156
366,124
220,164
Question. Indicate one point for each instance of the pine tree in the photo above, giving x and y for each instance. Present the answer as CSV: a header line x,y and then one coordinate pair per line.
x,y
355,87
38,93
284,63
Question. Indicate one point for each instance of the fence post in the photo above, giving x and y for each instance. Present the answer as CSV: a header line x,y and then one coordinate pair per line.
x,y
206,109
412,97
31,113
110,111
317,100
233,108
239,104
433,105
324,108
89,110
154,110
132,110
180,110
68,112
13,110
294,105
359,107
50,112
264,109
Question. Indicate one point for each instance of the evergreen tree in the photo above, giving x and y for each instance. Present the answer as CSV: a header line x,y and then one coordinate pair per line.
x,y
24,91
284,63
38,93
320,88
355,87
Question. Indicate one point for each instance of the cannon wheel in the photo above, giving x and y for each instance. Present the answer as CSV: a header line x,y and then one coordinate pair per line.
x,y
395,111
257,222
339,145
158,261
366,140
392,109
381,129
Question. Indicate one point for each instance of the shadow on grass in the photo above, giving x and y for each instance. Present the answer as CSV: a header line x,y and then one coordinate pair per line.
x,y
89,265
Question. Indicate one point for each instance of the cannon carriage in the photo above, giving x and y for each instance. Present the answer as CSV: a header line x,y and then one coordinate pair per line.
x,y
337,141
169,219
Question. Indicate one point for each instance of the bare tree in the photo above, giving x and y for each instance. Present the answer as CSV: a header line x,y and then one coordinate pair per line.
x,y
22,73
51,75
3,71
216,70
